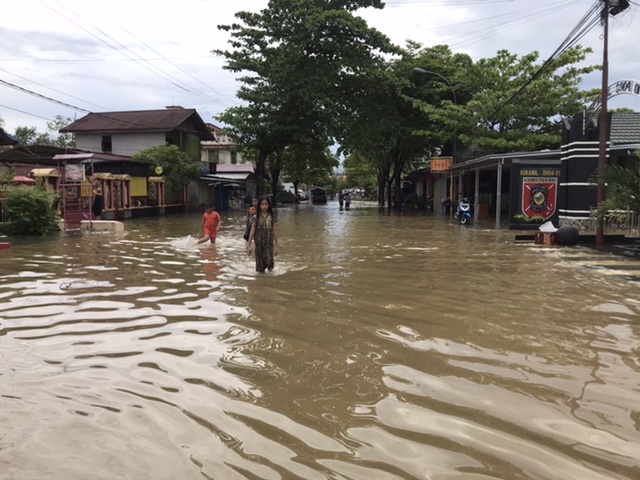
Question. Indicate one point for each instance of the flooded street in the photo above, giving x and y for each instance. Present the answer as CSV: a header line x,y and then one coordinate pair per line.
x,y
381,347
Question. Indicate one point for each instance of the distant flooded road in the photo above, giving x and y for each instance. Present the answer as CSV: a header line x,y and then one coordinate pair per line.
x,y
381,347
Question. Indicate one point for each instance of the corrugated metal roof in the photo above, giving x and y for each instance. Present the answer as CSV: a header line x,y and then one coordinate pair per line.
x,y
166,120
625,128
234,168
226,178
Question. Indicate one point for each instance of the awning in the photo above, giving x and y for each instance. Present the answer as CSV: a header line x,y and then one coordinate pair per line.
x,y
23,180
44,172
229,179
156,179
102,176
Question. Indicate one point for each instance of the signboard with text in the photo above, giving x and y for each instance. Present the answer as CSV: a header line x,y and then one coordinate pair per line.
x,y
441,164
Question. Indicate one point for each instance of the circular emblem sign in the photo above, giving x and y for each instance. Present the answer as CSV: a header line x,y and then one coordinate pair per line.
x,y
158,170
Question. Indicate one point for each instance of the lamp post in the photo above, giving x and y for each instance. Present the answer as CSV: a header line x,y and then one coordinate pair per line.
x,y
455,134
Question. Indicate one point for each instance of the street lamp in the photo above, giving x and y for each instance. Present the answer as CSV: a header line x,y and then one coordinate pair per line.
x,y
429,72
455,133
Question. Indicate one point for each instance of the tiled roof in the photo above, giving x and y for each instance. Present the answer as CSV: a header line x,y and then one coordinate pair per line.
x,y
173,118
625,128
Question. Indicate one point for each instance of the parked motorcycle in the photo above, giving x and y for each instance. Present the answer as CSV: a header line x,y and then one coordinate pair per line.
x,y
463,214
429,204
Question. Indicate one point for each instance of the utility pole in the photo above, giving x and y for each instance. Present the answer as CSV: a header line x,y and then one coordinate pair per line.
x,y
603,124
610,7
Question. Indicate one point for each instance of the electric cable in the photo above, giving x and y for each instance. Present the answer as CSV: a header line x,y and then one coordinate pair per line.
x,y
517,22
174,83
158,53
52,89
26,113
560,4
586,24
68,105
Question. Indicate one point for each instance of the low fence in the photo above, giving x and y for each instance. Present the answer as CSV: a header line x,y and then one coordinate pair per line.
x,y
616,222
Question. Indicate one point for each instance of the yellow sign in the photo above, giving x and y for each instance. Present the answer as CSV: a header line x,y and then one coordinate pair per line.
x,y
441,164
158,170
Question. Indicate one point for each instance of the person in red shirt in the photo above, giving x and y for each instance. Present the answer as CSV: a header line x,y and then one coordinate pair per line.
x,y
210,225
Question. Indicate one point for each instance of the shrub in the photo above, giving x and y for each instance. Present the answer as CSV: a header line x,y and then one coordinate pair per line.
x,y
30,211
524,219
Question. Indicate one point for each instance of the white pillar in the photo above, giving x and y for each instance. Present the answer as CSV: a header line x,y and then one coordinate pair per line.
x,y
476,197
499,194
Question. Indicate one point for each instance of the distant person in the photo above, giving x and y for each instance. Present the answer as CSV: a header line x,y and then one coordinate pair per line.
x,y
341,199
264,233
253,210
96,207
446,205
347,201
210,224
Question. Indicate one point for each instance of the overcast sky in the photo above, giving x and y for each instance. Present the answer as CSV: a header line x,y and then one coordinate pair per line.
x,y
113,55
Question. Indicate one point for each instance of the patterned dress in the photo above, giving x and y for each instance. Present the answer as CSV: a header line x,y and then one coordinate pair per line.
x,y
264,241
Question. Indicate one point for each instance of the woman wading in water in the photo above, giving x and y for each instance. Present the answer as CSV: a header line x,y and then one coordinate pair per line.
x,y
264,233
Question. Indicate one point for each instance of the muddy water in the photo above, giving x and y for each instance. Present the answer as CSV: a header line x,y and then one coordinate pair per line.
x,y
381,347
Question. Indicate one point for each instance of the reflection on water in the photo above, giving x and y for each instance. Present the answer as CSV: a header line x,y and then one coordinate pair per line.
x,y
381,347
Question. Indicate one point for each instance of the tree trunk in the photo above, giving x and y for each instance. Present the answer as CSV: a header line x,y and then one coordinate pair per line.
x,y
398,167
397,186
295,190
259,170
275,178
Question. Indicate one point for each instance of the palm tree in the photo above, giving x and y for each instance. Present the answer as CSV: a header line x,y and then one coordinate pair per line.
x,y
623,184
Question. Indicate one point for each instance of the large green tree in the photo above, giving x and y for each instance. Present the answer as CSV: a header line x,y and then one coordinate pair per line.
x,y
310,162
361,172
396,121
301,60
517,106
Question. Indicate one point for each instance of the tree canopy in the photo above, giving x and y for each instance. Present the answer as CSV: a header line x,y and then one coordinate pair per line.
x,y
314,73
300,60
178,168
517,106
30,136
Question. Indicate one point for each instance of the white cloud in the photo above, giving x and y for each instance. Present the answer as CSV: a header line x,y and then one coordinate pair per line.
x,y
77,47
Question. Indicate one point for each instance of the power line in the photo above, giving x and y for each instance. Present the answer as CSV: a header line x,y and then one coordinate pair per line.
x,y
26,113
495,17
52,89
39,95
95,60
156,52
517,22
124,53
587,23
49,99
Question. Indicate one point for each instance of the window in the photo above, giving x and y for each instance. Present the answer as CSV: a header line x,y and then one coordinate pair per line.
x,y
234,158
213,156
106,144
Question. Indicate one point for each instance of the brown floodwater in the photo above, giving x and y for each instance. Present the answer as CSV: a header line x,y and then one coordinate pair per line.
x,y
381,347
